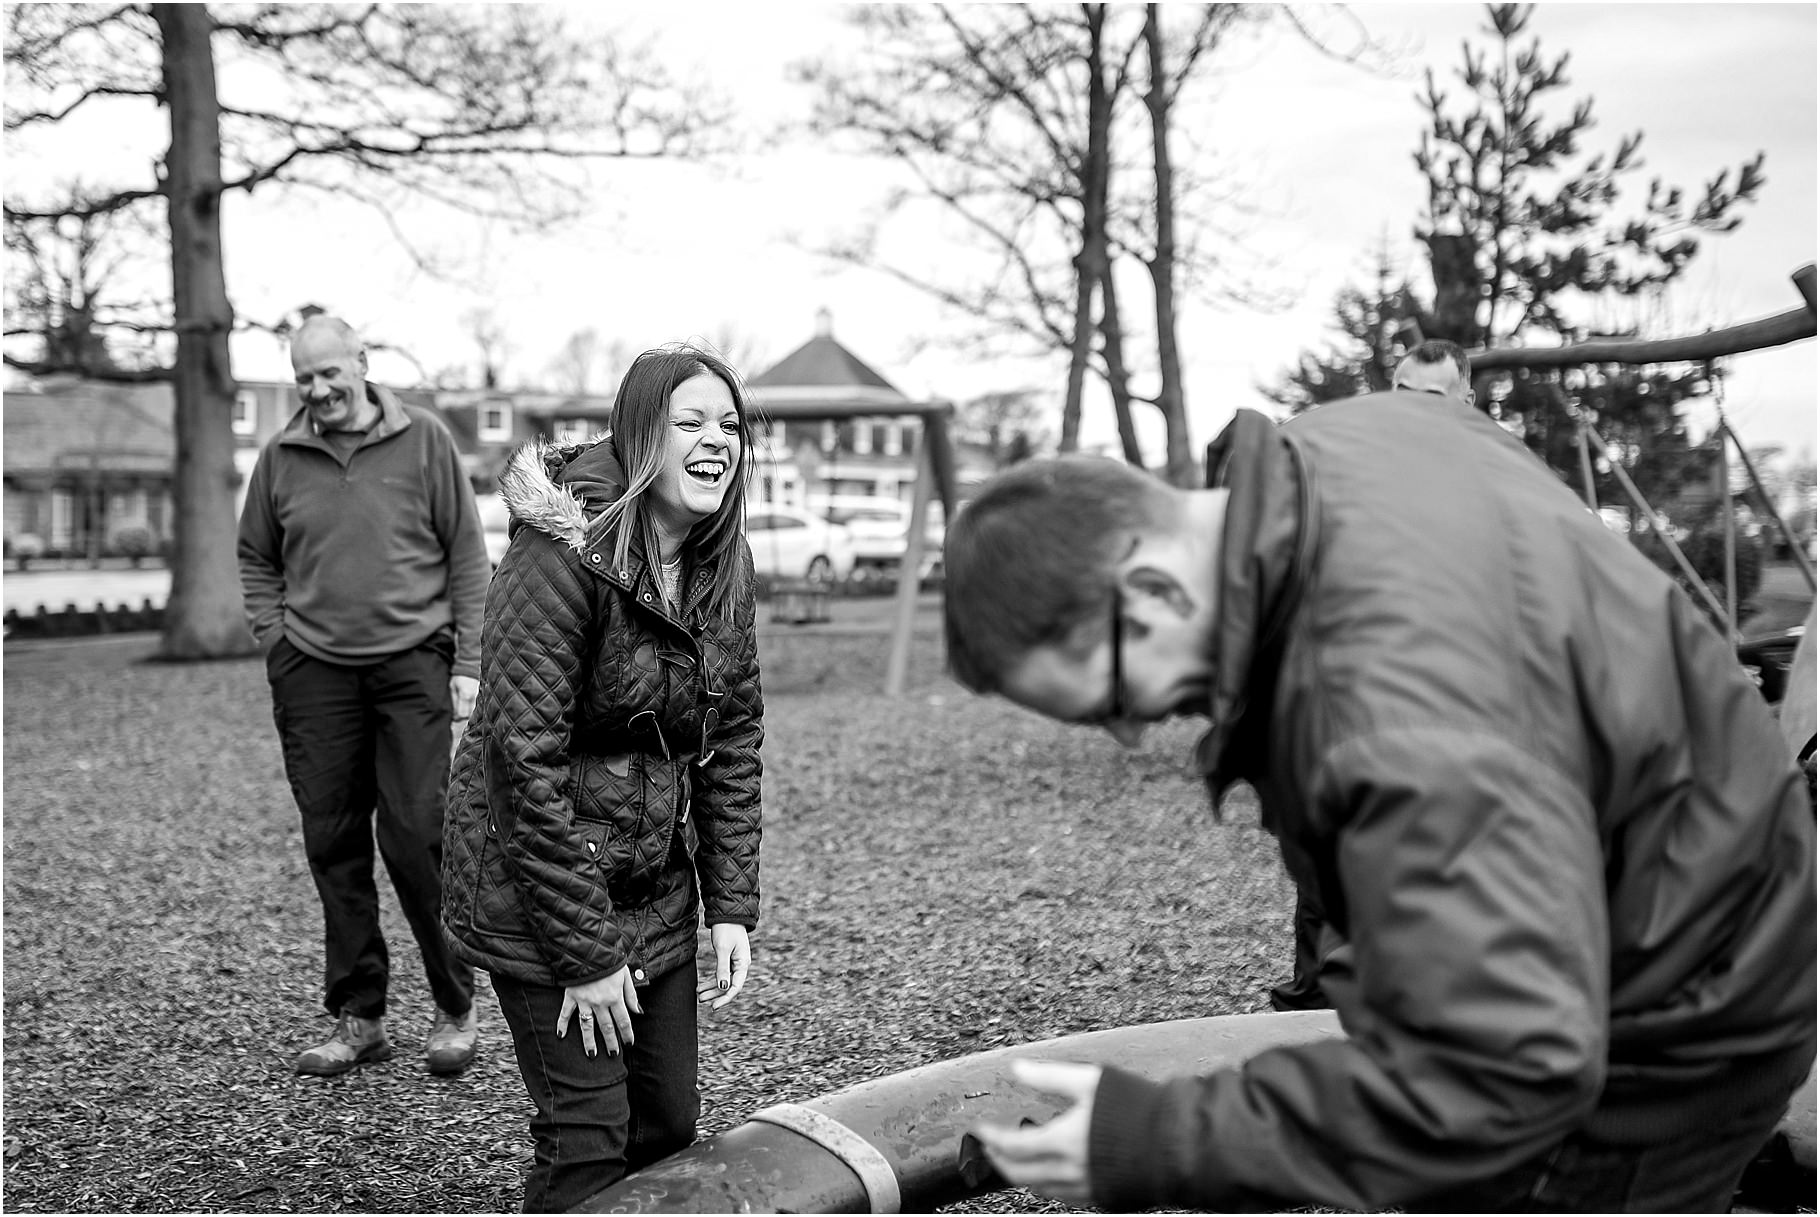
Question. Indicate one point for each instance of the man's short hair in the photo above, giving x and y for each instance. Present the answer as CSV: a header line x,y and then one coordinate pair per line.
x,y
330,324
1033,555
1437,349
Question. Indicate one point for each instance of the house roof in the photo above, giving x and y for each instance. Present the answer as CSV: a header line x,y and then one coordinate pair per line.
x,y
822,363
115,426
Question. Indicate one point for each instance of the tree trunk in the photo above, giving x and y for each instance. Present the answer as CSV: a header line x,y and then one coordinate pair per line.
x,y
1171,398
1078,351
204,618
1093,175
1118,376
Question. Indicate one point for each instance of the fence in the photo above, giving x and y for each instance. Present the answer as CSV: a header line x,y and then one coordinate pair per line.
x,y
72,622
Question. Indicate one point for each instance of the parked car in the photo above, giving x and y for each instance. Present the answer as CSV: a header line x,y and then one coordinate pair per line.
x,y
881,531
495,520
790,543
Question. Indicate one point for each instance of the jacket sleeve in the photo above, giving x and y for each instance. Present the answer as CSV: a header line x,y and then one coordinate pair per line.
x,y
539,619
727,790
1476,1017
457,519
260,549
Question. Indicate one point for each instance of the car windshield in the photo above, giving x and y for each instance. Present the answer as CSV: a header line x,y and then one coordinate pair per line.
x,y
846,515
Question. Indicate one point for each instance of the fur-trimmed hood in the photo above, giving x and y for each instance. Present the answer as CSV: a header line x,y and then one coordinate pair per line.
x,y
559,488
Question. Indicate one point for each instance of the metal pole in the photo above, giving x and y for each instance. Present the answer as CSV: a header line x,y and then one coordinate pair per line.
x,y
1801,559
909,569
1655,526
1724,474
1586,472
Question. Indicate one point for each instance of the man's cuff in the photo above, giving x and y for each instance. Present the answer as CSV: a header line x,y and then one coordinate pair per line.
x,y
1121,1143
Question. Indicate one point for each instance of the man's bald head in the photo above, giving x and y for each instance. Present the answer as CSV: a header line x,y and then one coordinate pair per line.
x,y
331,366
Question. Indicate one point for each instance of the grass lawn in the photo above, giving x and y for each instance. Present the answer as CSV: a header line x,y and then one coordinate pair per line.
x,y
942,874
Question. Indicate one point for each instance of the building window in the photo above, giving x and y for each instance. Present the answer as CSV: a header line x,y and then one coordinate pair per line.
x,y
494,422
894,439
246,412
63,520
862,438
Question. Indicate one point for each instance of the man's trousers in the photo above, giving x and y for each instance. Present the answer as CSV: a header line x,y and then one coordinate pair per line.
x,y
360,740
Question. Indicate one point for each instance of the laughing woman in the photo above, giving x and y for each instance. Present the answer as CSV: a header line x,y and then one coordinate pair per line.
x,y
608,785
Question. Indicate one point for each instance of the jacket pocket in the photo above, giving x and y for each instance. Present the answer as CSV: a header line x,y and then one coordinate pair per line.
x,y
608,800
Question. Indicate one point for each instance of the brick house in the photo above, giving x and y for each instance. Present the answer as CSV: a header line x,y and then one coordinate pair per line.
x,y
869,456
490,424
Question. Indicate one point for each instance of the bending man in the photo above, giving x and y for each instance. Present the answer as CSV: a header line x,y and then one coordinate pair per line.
x,y
1536,797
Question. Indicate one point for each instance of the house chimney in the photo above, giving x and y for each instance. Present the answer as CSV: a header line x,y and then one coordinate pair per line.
x,y
824,323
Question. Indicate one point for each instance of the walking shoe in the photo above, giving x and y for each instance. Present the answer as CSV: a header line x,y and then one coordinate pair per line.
x,y
452,1041
356,1041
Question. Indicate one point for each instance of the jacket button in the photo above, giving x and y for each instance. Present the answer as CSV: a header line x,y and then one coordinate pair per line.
x,y
638,974
647,597
594,558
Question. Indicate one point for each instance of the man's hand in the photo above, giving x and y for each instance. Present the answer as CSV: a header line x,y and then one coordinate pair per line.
x,y
1049,1158
732,960
462,692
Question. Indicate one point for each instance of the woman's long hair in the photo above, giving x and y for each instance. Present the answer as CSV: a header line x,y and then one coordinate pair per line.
x,y
640,425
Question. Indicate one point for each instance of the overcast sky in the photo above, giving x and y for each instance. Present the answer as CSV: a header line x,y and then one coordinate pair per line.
x,y
1320,153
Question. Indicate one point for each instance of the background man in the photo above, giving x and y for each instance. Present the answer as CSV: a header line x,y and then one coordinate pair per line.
x,y
1534,792
364,572
1436,366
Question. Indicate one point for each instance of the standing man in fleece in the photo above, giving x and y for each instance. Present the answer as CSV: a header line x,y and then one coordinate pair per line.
x,y
365,571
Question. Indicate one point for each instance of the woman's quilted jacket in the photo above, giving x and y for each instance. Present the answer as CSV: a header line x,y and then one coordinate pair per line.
x,y
610,770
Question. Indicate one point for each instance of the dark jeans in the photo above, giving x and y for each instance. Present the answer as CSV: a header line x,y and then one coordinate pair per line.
x,y
358,739
599,1118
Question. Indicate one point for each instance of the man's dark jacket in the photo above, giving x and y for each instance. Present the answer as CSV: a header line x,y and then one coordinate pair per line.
x,y
613,754
1536,795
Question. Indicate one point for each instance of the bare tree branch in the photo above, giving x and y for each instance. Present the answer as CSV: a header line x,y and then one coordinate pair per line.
x,y
34,367
17,120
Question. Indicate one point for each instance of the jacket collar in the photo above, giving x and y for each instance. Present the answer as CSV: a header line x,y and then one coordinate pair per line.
x,y
1264,556
392,419
561,491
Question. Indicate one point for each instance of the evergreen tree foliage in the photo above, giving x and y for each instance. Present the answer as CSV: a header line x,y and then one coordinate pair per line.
x,y
1530,239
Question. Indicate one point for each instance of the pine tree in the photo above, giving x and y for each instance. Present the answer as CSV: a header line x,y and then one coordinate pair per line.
x,y
1529,242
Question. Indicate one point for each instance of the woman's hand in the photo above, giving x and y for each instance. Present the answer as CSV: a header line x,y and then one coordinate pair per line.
x,y
606,1007
732,960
